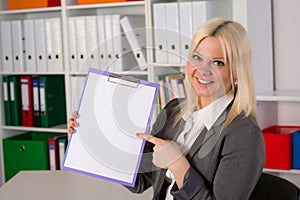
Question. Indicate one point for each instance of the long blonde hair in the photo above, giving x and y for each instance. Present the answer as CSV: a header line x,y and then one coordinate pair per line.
x,y
238,53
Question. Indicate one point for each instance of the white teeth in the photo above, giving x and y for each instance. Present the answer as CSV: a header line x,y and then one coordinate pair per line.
x,y
204,81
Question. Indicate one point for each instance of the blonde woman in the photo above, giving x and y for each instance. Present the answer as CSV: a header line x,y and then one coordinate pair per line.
x,y
209,145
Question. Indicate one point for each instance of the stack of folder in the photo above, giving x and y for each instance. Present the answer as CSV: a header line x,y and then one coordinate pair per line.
x,y
34,101
32,45
52,100
176,22
15,4
56,150
97,41
12,100
172,86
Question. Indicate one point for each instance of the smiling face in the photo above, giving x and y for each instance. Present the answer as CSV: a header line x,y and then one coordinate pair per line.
x,y
208,71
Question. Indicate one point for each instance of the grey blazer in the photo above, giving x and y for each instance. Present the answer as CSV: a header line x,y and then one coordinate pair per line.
x,y
224,165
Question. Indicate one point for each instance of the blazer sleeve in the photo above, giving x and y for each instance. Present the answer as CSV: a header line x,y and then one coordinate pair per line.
x,y
241,160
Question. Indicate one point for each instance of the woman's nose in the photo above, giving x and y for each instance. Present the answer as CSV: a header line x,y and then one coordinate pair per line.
x,y
204,69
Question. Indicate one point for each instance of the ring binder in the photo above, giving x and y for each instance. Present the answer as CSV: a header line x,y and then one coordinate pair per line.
x,y
122,80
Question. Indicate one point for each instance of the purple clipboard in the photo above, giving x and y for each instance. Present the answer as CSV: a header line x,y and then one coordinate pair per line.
x,y
112,109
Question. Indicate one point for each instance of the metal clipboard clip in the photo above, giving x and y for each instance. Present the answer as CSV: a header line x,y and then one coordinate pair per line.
x,y
122,80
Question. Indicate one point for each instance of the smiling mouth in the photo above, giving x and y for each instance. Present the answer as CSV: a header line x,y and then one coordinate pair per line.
x,y
204,81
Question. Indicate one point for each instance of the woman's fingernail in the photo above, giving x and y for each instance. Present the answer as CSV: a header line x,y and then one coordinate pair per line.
x,y
70,130
73,124
74,114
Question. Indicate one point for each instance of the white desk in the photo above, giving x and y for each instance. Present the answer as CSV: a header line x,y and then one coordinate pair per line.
x,y
64,185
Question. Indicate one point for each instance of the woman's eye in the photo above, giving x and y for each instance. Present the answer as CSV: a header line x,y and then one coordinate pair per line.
x,y
197,58
218,63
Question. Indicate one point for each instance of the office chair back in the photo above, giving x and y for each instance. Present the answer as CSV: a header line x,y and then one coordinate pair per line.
x,y
270,187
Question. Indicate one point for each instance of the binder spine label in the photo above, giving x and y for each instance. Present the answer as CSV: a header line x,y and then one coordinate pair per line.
x,y
42,96
5,91
12,91
25,97
52,156
36,95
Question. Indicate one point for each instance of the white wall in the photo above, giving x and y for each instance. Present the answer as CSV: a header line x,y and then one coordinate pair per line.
x,y
286,27
259,27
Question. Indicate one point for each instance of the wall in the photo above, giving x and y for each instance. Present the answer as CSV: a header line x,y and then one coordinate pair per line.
x,y
286,27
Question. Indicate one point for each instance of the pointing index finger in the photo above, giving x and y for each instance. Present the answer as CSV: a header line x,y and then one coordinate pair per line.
x,y
149,138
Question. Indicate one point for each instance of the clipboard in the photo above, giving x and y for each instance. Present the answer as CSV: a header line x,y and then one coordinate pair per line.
x,y
112,109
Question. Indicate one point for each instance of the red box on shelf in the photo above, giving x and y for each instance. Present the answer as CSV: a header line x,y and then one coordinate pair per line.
x,y
278,142
16,4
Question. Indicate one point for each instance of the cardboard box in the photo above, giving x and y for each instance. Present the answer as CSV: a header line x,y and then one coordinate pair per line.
x,y
278,142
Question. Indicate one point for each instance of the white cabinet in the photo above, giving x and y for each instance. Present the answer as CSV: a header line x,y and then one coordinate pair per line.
x,y
17,15
74,77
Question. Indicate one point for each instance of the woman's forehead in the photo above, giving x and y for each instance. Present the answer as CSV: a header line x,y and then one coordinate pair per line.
x,y
210,47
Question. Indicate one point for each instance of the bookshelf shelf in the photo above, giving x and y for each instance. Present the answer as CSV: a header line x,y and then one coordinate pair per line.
x,y
280,95
32,73
57,129
105,5
117,72
292,171
167,65
32,10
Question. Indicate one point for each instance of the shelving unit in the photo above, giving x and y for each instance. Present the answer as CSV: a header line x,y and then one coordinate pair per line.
x,y
281,105
269,102
55,129
268,105
280,95
257,20
292,171
22,14
67,10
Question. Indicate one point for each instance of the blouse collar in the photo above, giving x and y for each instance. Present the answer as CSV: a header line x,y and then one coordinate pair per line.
x,y
209,114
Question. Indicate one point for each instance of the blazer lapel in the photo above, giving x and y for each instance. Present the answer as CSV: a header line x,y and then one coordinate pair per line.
x,y
197,144
207,138
177,129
